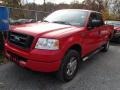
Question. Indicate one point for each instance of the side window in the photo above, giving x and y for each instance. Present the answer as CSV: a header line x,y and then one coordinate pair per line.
x,y
96,17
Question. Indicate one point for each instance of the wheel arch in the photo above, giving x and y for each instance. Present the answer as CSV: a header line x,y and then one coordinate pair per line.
x,y
76,47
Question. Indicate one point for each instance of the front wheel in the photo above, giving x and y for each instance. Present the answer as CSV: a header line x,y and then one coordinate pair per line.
x,y
69,66
106,46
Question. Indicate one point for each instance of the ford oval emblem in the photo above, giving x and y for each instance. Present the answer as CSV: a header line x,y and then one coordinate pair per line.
x,y
17,38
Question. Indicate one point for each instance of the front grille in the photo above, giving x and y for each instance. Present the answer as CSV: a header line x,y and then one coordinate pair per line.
x,y
21,40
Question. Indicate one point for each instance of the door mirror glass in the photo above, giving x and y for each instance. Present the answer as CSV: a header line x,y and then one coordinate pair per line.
x,y
95,23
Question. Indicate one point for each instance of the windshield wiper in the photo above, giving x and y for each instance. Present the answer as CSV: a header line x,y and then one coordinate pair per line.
x,y
61,22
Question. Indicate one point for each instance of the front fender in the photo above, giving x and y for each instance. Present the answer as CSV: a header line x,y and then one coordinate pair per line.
x,y
67,43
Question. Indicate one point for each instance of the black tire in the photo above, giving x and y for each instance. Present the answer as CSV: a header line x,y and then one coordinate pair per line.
x,y
106,47
64,72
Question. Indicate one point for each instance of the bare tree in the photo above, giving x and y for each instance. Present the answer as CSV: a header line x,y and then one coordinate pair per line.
x,y
12,3
116,8
93,4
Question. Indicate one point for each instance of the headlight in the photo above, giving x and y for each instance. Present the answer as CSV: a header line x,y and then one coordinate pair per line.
x,y
48,44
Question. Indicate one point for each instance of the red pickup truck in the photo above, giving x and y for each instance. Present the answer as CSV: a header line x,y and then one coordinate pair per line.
x,y
59,43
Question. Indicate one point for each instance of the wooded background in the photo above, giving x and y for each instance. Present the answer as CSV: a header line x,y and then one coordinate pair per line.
x,y
109,8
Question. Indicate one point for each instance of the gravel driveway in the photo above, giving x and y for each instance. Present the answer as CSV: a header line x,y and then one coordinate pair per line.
x,y
101,72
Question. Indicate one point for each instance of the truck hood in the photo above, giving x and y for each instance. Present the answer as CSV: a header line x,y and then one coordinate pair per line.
x,y
45,29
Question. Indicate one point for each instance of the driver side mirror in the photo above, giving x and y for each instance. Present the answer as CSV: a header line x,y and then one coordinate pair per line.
x,y
94,23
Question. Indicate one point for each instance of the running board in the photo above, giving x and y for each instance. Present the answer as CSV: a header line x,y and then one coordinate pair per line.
x,y
90,55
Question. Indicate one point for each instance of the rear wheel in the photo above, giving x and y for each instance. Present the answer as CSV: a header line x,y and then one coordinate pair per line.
x,y
118,39
69,66
106,46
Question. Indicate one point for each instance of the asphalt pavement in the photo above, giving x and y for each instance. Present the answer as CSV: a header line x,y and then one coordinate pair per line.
x,y
101,72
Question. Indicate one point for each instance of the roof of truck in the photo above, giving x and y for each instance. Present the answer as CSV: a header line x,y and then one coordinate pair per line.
x,y
82,10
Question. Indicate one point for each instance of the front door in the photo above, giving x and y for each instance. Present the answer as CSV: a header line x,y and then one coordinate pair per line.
x,y
92,37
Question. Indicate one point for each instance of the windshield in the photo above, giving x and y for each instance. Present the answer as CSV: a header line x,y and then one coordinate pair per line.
x,y
114,23
70,17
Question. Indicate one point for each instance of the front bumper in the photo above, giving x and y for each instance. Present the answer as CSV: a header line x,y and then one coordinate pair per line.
x,y
36,60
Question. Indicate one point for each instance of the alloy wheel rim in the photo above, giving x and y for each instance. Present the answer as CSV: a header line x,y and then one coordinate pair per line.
x,y
71,66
